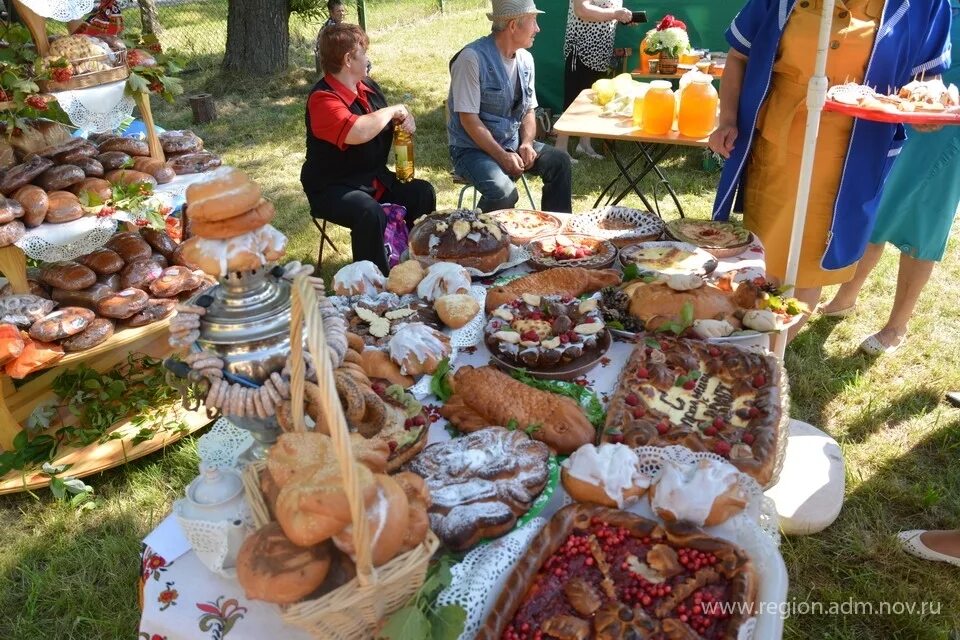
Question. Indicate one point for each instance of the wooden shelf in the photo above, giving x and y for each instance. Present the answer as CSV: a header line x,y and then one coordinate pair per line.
x,y
119,339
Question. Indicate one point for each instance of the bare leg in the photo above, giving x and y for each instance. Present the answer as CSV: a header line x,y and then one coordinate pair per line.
x,y
587,149
846,295
562,142
810,296
912,275
946,542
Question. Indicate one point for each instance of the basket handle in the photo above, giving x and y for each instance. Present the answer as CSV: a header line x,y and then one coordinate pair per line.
x,y
304,307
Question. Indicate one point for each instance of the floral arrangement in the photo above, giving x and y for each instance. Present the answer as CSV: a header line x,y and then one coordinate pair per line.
x,y
669,38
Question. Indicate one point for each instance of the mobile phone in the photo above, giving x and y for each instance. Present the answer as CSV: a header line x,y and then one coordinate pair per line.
x,y
638,17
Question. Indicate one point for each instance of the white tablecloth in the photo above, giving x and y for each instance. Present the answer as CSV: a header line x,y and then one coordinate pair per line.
x,y
182,600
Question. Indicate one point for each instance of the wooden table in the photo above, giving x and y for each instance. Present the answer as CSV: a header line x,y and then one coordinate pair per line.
x,y
584,118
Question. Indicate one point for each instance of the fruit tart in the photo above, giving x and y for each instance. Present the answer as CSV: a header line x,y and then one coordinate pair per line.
x,y
703,396
543,332
468,238
571,250
603,574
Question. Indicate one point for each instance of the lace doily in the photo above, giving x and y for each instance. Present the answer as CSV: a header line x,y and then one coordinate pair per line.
x,y
97,109
643,224
216,543
54,242
62,10
421,389
478,580
470,334
223,444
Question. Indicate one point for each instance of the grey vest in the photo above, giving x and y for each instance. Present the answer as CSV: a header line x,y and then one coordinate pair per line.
x,y
498,112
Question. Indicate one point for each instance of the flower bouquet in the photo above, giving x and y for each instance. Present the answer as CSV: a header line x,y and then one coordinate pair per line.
x,y
669,40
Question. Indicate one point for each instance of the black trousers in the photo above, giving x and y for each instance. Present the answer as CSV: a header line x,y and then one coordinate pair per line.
x,y
357,210
577,76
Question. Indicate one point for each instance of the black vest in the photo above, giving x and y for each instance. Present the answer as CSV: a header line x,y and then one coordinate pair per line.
x,y
356,166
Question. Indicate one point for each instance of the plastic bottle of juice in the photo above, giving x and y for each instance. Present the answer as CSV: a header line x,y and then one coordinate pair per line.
x,y
658,107
698,108
403,153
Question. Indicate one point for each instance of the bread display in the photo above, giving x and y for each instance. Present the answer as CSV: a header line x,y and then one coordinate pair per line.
x,y
705,494
569,281
484,396
704,396
481,483
607,475
543,332
358,278
594,572
465,237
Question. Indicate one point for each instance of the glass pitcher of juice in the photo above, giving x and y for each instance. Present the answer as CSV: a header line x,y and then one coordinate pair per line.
x,y
698,108
658,107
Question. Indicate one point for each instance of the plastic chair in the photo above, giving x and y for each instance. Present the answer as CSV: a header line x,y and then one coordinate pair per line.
x,y
321,226
457,179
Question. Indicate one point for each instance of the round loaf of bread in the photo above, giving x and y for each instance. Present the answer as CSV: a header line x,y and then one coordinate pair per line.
x,y
11,232
61,324
35,204
114,160
184,141
227,193
140,274
273,569
98,332
69,275
130,246
129,176
94,185
468,238
86,298
159,240
237,225
23,173
129,146
242,253
154,311
64,207
457,309
387,519
188,163
102,261
59,177
123,304
174,281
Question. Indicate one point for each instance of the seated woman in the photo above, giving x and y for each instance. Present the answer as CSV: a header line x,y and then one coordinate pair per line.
x,y
349,135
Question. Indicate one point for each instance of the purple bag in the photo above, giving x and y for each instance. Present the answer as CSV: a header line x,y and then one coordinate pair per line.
x,y
395,235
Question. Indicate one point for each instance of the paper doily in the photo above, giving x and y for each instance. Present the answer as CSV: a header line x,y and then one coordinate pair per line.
x,y
97,109
223,444
480,577
470,334
54,242
61,10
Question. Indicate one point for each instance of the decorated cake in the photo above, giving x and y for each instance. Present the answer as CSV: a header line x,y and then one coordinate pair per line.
x,y
705,397
468,238
544,331
376,318
595,572
571,250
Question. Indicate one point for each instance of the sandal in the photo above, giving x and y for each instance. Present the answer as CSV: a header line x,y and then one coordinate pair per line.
x,y
873,347
839,313
911,543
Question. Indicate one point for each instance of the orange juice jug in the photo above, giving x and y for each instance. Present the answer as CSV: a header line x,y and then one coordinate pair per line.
x,y
644,56
658,107
698,108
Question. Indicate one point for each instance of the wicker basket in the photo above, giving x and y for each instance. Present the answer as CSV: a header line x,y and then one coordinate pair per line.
x,y
92,78
355,610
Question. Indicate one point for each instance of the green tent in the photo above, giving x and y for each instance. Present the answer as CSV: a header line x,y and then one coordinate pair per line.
x,y
706,22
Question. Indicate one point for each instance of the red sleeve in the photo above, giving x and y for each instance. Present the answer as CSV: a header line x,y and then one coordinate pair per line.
x,y
330,119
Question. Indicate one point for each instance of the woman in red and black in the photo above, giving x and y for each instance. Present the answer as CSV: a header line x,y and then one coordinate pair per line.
x,y
349,135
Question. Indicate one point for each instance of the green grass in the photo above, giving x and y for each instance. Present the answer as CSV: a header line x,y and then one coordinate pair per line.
x,y
70,576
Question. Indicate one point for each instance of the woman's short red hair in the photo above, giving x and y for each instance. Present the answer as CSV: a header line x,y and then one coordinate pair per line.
x,y
338,40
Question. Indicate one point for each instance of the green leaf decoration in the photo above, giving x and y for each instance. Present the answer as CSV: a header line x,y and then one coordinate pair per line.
x,y
440,382
586,398
408,623
448,622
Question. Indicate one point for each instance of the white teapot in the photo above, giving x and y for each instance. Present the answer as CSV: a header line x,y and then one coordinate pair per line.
x,y
212,517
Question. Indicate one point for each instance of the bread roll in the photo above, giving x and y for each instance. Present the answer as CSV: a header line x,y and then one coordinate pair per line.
x,y
387,519
97,186
102,261
98,332
123,304
10,209
418,496
139,274
86,298
91,167
457,309
228,192
129,146
24,173
255,218
114,160
273,569
154,311
68,275
56,151
180,142
60,177
405,277
129,176
130,246
159,240
11,232
194,162
83,150
154,167
174,281
61,324
63,207
377,364
35,204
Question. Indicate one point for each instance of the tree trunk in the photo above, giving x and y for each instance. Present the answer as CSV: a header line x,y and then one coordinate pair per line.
x,y
149,20
258,37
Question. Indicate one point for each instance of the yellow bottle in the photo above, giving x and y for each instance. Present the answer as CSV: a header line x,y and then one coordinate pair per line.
x,y
658,106
403,154
698,108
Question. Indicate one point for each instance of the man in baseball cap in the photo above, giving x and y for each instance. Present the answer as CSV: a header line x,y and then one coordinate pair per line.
x,y
491,122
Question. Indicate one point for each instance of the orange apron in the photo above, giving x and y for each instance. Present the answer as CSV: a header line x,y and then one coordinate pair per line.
x,y
774,166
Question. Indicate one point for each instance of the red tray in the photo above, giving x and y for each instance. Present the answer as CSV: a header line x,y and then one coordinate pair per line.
x,y
904,117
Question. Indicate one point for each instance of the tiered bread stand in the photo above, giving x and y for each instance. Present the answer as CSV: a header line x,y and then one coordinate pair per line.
x,y
17,403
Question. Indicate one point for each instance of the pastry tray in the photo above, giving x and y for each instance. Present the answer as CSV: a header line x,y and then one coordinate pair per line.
x,y
894,116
